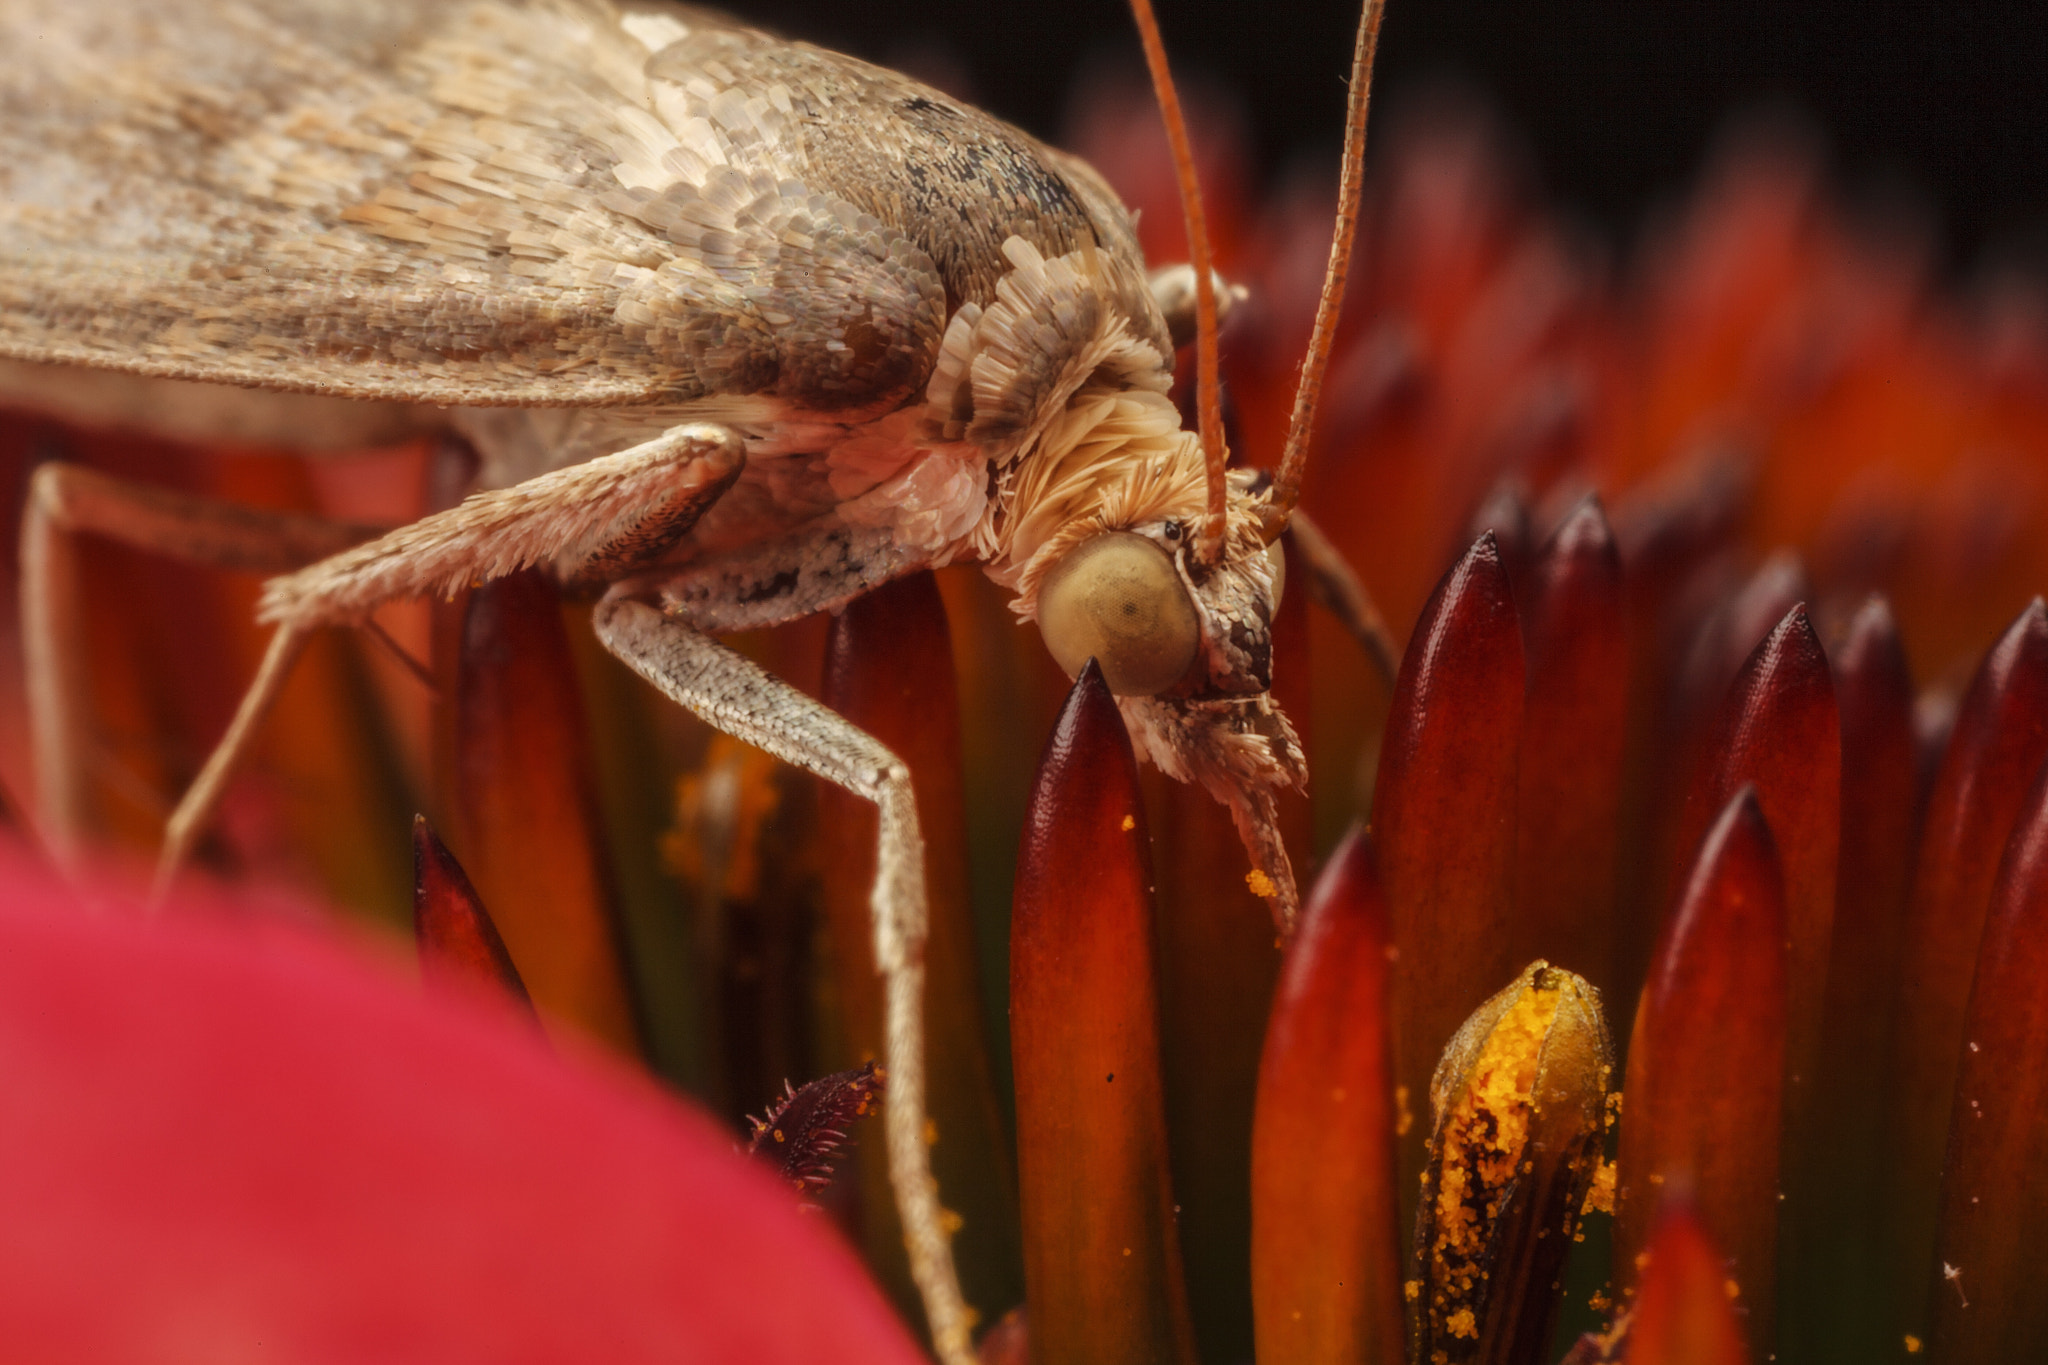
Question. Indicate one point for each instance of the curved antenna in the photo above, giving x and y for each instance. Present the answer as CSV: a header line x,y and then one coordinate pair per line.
x,y
1286,489
1208,384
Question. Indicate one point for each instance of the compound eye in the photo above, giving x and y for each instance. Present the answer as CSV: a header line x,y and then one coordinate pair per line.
x,y
1115,598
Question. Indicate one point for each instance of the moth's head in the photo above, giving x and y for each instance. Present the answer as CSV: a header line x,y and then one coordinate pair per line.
x,y
1178,614
1157,620
1187,647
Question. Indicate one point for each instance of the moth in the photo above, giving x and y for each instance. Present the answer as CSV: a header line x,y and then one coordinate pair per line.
x,y
739,328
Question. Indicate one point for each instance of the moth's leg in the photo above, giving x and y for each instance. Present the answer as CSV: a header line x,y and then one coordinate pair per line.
x,y
736,696
199,798
66,499
607,512
1332,584
589,523
1173,289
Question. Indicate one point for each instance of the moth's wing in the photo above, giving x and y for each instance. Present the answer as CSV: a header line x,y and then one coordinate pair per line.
x,y
425,202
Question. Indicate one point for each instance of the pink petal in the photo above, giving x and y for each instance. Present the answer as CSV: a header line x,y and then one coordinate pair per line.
x,y
229,1139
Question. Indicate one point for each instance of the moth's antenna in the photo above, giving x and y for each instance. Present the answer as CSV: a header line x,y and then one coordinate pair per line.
x,y
1208,385
1286,489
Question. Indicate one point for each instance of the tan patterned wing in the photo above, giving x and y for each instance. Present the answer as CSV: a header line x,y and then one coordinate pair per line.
x,y
487,202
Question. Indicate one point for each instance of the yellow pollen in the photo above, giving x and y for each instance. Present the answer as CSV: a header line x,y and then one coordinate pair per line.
x,y
1600,1194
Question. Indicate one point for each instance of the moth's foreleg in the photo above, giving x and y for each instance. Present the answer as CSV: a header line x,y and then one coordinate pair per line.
x,y
602,511
588,521
200,798
66,499
736,696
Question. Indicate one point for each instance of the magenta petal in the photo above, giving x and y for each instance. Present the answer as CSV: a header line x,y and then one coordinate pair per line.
x,y
226,1140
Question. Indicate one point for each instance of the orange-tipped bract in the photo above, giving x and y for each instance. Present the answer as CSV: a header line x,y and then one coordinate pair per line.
x,y
1102,1264
1444,816
457,940
1704,1095
1326,1261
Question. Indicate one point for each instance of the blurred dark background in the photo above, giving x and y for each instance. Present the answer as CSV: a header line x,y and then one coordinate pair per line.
x,y
1930,110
